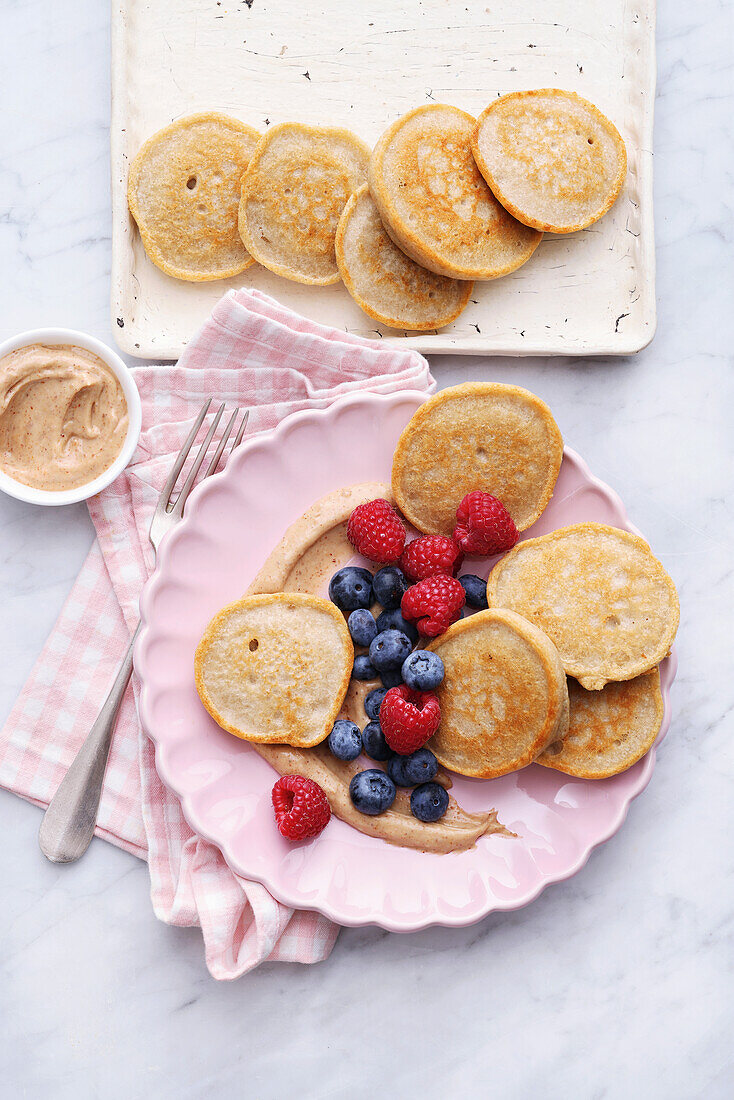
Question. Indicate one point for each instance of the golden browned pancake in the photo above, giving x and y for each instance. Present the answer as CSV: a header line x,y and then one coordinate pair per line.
x,y
598,593
551,158
184,193
489,436
503,697
610,730
293,193
275,668
384,282
434,203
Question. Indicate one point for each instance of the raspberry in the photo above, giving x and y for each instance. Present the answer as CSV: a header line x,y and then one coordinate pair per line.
x,y
429,555
408,718
301,807
485,526
376,530
434,604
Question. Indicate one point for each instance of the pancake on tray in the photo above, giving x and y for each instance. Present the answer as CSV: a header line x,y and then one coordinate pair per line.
x,y
551,158
384,282
489,436
503,698
275,668
184,193
598,593
610,730
434,202
293,193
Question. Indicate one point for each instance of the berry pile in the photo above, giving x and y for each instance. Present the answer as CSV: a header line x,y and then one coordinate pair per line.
x,y
402,713
417,593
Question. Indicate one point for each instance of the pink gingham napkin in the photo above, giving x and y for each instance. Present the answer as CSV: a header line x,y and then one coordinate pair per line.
x,y
254,353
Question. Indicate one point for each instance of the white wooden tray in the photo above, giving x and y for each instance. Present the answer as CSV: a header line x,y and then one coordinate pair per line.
x,y
357,64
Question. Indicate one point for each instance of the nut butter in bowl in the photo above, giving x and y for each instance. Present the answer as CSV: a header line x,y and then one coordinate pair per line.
x,y
69,416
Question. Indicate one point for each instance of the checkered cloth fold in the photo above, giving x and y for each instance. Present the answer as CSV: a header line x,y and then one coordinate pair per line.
x,y
251,352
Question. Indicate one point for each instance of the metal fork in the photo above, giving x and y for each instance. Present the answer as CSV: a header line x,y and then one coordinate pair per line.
x,y
69,822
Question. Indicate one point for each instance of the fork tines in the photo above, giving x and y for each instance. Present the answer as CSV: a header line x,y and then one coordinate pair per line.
x,y
176,505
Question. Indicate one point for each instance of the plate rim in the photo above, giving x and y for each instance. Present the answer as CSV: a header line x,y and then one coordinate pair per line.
x,y
468,915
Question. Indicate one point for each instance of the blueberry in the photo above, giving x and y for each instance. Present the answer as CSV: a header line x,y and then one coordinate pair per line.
x,y
373,702
345,740
389,586
429,802
362,626
409,771
476,591
374,743
372,792
363,669
423,670
391,677
393,620
389,649
395,769
420,767
351,588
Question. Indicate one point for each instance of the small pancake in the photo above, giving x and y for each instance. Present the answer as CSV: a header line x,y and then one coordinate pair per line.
x,y
275,668
184,191
551,158
503,697
489,436
293,193
434,203
610,730
598,593
384,282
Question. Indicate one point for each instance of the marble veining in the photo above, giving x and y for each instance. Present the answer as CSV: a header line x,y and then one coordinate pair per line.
x,y
614,985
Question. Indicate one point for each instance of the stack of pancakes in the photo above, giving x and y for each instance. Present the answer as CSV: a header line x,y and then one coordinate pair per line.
x,y
563,666
612,612
441,201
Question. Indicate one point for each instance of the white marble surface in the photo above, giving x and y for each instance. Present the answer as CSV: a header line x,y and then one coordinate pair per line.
x,y
616,984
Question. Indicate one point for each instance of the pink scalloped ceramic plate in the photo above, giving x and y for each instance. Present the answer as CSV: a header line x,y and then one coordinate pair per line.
x,y
233,521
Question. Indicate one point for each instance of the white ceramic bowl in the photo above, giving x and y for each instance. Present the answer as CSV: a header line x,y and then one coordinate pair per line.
x,y
71,496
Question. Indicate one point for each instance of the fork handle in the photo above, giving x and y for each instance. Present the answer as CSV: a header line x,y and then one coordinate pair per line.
x,y
69,822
